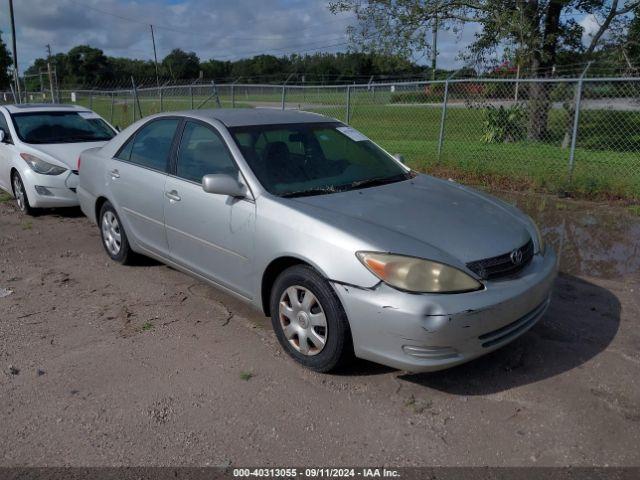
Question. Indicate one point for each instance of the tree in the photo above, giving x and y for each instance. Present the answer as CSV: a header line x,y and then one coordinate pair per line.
x,y
5,63
535,31
216,69
631,47
180,64
86,65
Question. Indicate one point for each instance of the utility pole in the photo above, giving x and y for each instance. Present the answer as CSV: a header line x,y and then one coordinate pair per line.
x,y
15,52
49,73
155,59
434,47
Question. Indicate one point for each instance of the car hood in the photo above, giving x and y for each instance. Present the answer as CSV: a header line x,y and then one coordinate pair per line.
x,y
66,153
458,221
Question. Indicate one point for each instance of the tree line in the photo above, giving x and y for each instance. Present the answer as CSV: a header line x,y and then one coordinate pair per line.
x,y
88,66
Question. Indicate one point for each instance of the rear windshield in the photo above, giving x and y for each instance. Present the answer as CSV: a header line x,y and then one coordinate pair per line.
x,y
61,127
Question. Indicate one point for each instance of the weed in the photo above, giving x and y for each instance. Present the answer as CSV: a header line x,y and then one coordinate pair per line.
x,y
634,209
246,376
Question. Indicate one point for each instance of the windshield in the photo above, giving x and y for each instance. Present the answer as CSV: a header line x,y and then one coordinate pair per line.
x,y
315,158
61,127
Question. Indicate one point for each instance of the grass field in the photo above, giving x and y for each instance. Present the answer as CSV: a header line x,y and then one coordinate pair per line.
x,y
607,157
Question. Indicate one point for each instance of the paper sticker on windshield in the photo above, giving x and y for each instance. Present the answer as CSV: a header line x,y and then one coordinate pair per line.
x,y
89,115
352,134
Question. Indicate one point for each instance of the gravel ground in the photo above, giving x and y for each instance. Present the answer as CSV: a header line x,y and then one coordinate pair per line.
x,y
109,365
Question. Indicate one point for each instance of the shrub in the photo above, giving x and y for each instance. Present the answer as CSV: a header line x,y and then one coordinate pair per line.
x,y
504,125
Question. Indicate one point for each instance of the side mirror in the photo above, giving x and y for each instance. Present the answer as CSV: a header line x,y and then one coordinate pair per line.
x,y
223,185
399,157
2,136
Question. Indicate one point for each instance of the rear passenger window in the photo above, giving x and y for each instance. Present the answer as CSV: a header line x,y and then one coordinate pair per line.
x,y
151,145
203,152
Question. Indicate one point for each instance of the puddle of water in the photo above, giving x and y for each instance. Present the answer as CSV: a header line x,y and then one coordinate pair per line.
x,y
594,240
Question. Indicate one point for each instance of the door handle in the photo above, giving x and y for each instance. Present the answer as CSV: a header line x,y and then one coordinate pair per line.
x,y
115,173
173,195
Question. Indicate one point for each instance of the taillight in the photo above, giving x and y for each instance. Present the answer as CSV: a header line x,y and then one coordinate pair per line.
x,y
79,161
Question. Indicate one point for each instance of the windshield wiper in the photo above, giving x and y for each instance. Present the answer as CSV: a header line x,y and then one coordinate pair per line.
x,y
374,182
312,191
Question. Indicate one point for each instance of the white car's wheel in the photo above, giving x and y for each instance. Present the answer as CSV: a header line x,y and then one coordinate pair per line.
x,y
20,194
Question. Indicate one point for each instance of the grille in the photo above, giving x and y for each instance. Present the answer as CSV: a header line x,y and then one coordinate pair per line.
x,y
502,265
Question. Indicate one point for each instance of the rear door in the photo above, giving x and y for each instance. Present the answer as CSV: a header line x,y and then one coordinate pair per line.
x,y
136,177
212,235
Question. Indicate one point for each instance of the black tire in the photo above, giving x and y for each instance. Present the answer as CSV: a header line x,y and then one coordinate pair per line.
x,y
124,254
20,194
338,347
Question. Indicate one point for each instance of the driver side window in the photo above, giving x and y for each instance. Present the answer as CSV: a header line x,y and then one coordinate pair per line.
x,y
203,152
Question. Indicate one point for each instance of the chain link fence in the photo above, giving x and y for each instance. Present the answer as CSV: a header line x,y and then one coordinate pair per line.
x,y
565,134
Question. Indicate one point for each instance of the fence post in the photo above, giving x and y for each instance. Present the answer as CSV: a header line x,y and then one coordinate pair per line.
x,y
576,122
215,94
284,94
111,109
191,95
136,100
91,101
348,119
233,96
443,118
517,85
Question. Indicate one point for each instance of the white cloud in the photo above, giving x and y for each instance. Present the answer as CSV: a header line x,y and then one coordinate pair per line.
x,y
221,29
590,26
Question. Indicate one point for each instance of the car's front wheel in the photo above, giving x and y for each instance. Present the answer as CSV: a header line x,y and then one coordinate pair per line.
x,y
20,194
114,238
309,320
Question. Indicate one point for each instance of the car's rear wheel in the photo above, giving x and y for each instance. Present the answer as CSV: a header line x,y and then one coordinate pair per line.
x,y
20,194
114,238
309,320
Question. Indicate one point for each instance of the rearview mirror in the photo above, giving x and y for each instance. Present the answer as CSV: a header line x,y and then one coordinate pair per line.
x,y
223,185
399,157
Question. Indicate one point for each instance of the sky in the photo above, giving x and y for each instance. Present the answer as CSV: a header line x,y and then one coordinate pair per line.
x,y
220,29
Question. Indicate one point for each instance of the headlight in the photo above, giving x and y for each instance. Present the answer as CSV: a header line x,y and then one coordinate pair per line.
x,y
416,274
40,166
538,236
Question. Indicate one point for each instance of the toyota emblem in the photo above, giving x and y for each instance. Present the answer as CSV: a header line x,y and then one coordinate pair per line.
x,y
516,257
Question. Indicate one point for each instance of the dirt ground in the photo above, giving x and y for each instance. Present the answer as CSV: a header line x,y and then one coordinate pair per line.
x,y
109,365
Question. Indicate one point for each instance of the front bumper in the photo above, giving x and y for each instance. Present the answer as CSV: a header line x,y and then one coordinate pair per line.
x,y
426,332
49,191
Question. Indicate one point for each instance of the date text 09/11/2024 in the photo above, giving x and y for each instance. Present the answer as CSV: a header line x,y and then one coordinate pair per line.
x,y
316,472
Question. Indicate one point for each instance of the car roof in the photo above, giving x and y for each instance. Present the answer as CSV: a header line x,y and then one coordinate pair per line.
x,y
43,107
238,117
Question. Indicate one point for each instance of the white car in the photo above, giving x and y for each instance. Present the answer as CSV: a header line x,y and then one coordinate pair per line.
x,y
40,145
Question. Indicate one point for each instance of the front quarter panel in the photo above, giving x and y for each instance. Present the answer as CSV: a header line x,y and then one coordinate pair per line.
x,y
282,231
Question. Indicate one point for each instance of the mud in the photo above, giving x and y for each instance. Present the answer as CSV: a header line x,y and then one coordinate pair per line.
x,y
102,364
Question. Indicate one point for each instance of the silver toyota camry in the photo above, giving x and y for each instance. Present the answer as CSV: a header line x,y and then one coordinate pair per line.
x,y
345,248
